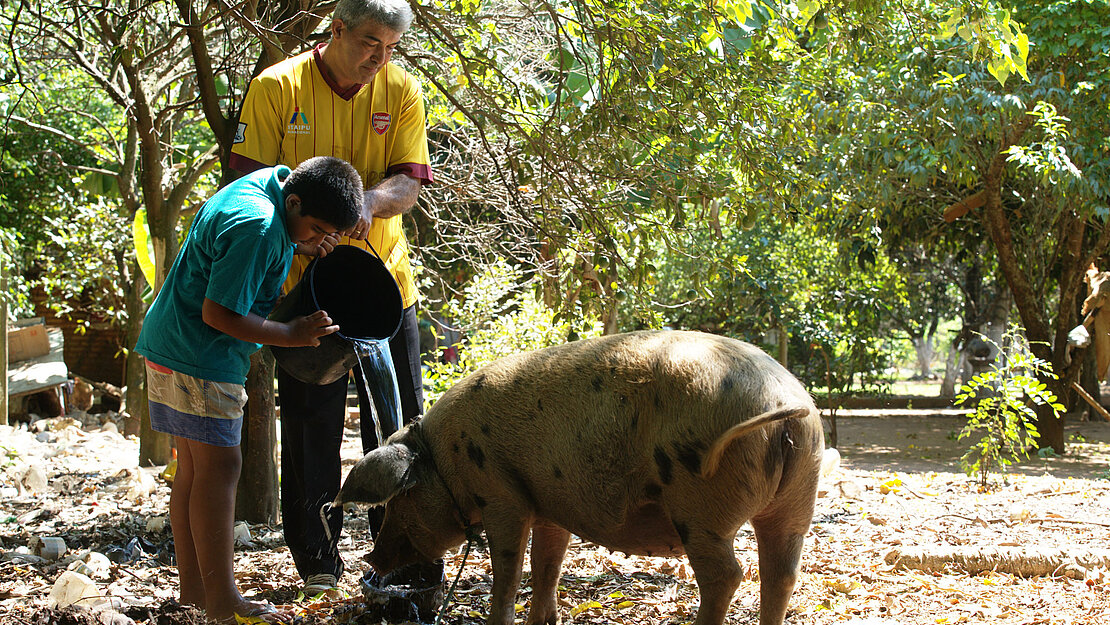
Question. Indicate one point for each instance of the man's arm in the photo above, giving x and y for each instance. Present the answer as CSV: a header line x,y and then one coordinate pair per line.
x,y
392,196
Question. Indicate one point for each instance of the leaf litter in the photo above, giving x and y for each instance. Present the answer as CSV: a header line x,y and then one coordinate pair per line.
x,y
81,485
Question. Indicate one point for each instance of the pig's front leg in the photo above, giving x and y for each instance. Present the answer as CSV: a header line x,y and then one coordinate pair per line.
x,y
549,545
507,535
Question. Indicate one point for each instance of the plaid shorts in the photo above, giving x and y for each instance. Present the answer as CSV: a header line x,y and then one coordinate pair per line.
x,y
192,408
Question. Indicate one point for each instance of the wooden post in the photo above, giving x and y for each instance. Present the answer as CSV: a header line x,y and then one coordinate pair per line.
x,y
4,337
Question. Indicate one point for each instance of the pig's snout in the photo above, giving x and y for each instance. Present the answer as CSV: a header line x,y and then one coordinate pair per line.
x,y
391,553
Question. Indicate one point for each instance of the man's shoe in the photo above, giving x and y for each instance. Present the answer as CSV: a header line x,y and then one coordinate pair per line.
x,y
322,586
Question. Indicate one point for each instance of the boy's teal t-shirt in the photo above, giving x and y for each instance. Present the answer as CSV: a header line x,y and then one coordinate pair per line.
x,y
237,254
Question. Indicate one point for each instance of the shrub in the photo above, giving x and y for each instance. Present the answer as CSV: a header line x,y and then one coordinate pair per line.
x,y
1004,417
499,314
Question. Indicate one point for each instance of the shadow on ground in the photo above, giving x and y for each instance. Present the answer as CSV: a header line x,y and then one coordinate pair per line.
x,y
925,440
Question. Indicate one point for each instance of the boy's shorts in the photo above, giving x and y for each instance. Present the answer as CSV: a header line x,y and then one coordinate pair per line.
x,y
192,408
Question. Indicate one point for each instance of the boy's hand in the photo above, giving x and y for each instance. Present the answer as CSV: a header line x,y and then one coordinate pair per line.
x,y
324,248
306,331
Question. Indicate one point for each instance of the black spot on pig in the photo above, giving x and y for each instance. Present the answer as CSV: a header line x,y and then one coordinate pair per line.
x,y
653,491
462,434
597,383
477,456
663,463
455,448
635,421
479,501
728,383
683,532
689,454
558,473
658,402
539,405
479,382
485,429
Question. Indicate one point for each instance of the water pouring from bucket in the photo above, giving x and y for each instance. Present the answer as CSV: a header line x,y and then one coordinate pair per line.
x,y
362,298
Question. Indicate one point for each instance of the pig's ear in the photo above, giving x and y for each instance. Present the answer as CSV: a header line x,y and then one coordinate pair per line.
x,y
379,476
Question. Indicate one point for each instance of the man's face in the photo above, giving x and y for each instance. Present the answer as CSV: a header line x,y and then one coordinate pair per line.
x,y
360,52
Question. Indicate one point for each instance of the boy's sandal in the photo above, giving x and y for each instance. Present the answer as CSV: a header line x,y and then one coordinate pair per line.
x,y
264,614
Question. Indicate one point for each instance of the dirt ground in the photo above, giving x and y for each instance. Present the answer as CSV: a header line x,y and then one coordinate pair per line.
x,y
900,535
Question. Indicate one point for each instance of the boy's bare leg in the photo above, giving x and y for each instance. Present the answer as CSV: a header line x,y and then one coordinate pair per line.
x,y
211,517
188,569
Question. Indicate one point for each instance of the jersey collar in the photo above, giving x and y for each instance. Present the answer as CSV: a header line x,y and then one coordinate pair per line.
x,y
318,56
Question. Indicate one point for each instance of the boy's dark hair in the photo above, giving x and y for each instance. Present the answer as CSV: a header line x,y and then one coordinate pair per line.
x,y
330,189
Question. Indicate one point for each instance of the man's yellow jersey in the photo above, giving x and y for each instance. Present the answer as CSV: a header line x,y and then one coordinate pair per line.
x,y
294,111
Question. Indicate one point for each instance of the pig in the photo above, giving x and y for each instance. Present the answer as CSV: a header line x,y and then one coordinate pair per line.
x,y
654,443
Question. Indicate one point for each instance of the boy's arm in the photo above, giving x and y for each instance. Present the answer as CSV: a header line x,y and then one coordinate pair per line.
x,y
298,332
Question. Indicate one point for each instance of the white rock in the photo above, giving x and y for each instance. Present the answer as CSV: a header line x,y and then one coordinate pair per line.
x,y
71,588
849,489
830,462
243,534
156,524
35,478
92,564
140,484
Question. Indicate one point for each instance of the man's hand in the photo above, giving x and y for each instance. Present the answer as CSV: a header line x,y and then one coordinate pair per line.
x,y
306,331
362,228
391,197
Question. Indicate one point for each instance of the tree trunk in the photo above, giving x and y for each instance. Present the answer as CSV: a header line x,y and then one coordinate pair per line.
x,y
1088,379
4,337
134,377
155,448
256,499
784,344
1026,298
923,349
951,369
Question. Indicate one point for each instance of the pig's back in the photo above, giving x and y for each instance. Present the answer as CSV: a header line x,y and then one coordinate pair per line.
x,y
606,436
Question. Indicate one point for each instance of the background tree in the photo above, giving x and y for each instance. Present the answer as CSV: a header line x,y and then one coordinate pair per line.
x,y
946,133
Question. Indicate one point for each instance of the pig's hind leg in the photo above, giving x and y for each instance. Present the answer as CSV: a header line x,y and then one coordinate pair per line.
x,y
779,534
549,545
716,571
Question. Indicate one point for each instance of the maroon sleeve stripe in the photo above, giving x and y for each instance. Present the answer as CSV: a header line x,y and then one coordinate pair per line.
x,y
244,165
423,173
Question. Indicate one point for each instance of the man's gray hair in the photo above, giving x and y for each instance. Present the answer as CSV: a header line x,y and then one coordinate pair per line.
x,y
393,14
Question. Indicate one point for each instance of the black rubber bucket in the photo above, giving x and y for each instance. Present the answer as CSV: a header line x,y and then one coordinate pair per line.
x,y
411,593
358,293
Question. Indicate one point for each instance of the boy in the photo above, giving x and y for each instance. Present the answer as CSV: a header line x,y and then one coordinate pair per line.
x,y
207,320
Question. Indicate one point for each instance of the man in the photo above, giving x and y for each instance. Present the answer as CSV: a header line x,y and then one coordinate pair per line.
x,y
343,99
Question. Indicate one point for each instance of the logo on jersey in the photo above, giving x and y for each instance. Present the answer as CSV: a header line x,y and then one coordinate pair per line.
x,y
240,133
380,121
298,124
